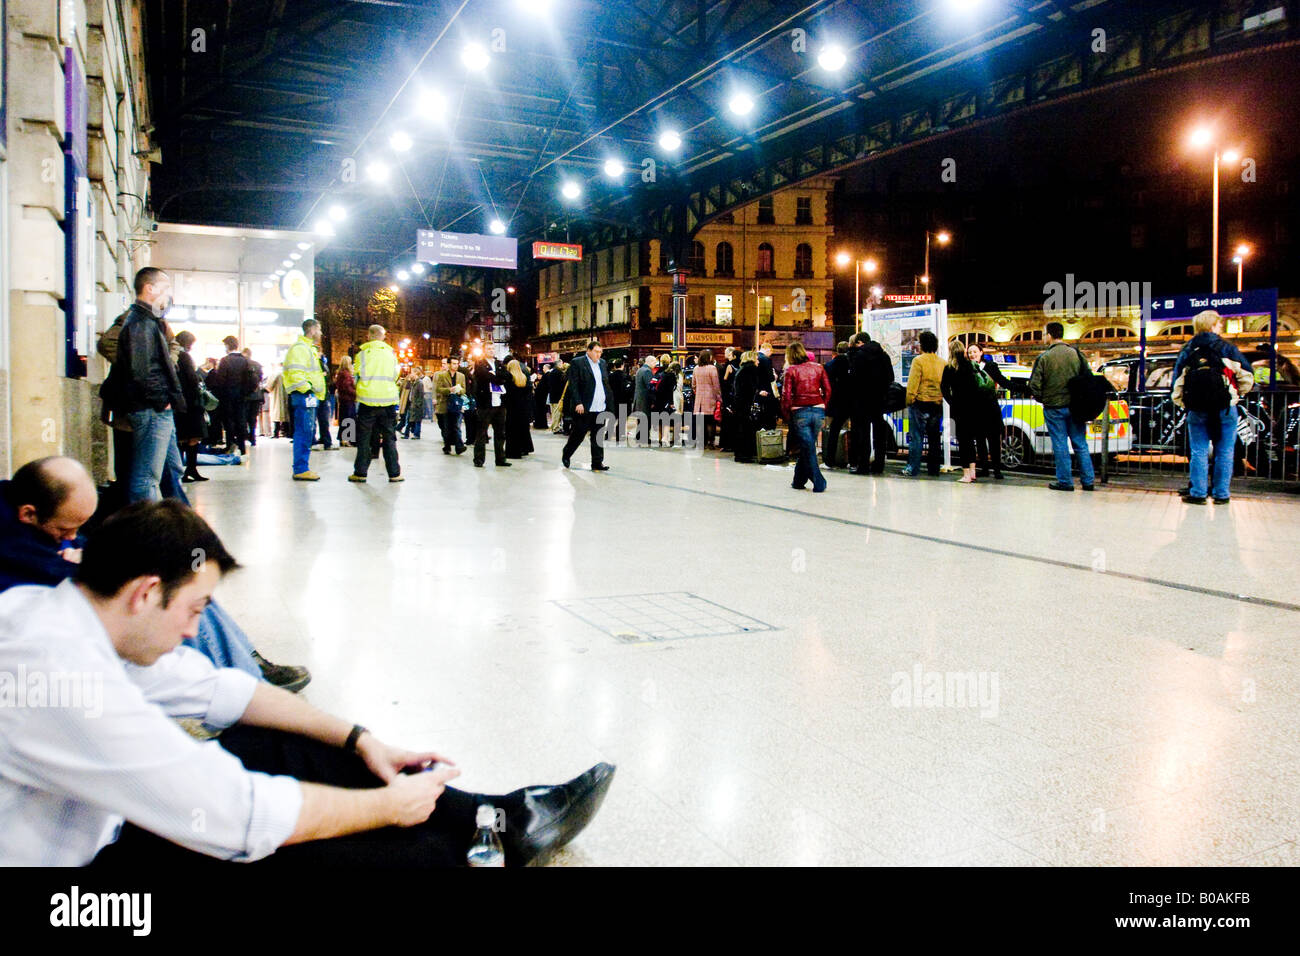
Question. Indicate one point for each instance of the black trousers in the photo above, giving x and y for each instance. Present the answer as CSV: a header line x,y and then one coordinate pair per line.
x,y
323,423
235,420
379,421
583,425
868,441
987,429
252,411
495,418
442,840
966,426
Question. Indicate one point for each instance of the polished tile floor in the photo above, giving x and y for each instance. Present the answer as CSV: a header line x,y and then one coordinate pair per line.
x,y
945,674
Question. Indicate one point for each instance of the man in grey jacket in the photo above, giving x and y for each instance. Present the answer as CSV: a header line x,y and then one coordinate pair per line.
x,y
641,399
1050,384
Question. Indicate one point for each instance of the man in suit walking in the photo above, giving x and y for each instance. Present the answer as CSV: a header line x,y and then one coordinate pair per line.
x,y
490,378
448,396
590,395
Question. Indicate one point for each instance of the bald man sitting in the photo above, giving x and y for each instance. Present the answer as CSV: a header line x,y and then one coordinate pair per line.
x,y
42,511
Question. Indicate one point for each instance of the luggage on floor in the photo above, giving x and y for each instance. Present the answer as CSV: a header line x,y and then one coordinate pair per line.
x,y
770,444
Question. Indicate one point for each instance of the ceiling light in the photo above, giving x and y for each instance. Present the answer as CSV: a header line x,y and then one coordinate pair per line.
x,y
288,263
432,105
402,275
474,57
417,268
670,140
324,227
742,104
377,172
831,58
400,141
497,227
338,213
295,256
614,167
267,283
393,288
571,190
304,246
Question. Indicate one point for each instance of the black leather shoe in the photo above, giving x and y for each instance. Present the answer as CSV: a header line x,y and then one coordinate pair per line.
x,y
1056,486
600,467
1194,499
541,820
565,462
1221,501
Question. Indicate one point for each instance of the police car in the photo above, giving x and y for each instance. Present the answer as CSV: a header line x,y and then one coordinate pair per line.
x,y
1025,440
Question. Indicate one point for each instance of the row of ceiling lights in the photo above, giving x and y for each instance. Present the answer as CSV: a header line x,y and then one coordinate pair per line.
x,y
286,265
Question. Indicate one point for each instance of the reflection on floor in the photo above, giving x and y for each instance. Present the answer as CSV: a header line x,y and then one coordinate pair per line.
x,y
937,673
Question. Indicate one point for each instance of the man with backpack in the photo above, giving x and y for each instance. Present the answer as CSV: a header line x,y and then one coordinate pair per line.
x,y
1050,384
1210,376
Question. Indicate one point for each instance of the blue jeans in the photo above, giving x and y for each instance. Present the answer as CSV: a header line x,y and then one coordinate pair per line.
x,y
153,450
1221,429
1065,431
222,641
304,430
924,422
807,425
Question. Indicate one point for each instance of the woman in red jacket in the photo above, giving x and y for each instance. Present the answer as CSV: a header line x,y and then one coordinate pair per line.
x,y
805,393
345,391
708,393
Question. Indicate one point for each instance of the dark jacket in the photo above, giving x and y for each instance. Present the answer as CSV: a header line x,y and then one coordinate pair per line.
x,y
27,554
837,372
146,376
554,384
582,385
1239,372
642,400
870,375
1050,380
663,397
484,379
961,390
233,378
994,371
622,387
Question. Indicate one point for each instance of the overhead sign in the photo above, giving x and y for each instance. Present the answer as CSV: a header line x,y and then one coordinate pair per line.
x,y
466,249
1250,302
907,298
570,251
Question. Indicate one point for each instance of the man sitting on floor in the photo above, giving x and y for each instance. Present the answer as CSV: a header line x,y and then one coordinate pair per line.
x,y
42,510
105,775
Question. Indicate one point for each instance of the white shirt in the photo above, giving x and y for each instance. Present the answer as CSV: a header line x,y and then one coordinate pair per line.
x,y
74,765
598,396
498,391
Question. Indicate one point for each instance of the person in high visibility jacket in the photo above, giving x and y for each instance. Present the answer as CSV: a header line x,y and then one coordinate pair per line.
x,y
304,383
375,369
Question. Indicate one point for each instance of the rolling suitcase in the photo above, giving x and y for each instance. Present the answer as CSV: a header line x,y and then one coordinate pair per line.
x,y
770,445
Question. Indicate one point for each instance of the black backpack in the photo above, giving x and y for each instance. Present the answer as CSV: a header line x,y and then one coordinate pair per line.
x,y
1205,385
1088,393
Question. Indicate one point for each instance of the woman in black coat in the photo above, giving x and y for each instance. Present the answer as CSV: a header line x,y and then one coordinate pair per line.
x,y
961,390
753,386
663,401
519,411
190,426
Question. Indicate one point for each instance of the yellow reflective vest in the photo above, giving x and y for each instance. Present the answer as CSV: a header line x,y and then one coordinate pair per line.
x,y
302,371
375,368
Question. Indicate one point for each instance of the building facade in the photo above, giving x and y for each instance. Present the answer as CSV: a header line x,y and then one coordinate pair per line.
x,y
762,271
73,230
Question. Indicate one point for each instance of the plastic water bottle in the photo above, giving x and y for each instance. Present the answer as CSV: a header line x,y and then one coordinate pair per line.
x,y
486,850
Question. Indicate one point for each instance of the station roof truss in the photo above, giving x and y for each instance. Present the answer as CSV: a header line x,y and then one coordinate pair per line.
x,y
269,111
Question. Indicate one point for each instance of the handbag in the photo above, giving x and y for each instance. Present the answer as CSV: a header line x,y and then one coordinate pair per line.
x,y
717,410
207,399
895,397
1088,393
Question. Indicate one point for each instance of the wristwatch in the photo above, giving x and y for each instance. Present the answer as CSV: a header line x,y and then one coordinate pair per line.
x,y
350,745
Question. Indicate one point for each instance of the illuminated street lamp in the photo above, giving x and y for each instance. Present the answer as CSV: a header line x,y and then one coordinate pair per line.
x,y
1243,253
1201,137
869,266
943,238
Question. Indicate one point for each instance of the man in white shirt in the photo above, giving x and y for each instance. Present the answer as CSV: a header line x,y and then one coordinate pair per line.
x,y
91,672
588,394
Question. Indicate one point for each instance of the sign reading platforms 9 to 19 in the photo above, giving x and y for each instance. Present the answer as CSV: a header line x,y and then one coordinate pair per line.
x,y
466,249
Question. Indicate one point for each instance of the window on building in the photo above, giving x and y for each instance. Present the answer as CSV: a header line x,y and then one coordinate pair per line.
x,y
627,308
663,257
973,338
627,261
766,257
696,263
726,260
1185,329
1029,335
609,312
803,211
560,271
695,308
764,310
766,216
803,268
1110,332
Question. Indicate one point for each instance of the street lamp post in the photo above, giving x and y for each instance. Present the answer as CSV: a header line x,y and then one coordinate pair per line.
x,y
1204,136
1243,251
870,266
942,237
